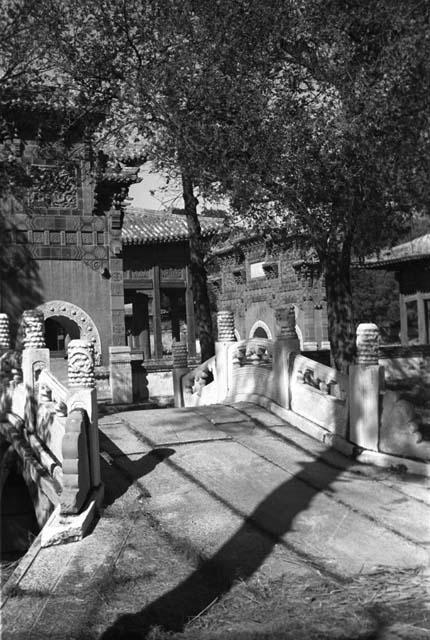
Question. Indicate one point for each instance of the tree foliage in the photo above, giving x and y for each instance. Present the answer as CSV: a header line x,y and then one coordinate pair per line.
x,y
312,115
341,157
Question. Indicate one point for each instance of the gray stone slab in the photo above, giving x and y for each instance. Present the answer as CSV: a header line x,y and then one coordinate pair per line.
x,y
220,413
211,492
415,487
410,518
116,439
260,414
170,426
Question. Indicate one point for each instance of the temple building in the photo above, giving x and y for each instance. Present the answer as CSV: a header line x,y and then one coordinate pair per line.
x,y
120,277
157,282
257,281
411,263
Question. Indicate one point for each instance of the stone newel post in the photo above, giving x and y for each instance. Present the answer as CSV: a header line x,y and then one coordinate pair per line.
x,y
83,396
286,345
35,355
180,368
364,388
4,333
225,323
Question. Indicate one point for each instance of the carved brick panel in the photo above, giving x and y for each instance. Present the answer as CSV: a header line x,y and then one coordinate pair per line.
x,y
53,187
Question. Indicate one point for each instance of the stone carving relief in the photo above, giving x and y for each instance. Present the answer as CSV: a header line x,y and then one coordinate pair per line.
x,y
53,187
80,363
32,330
87,327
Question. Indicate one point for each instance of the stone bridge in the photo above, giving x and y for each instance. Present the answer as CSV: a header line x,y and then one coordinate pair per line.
x,y
49,465
262,471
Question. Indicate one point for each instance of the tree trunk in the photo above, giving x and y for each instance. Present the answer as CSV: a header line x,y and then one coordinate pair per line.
x,y
198,271
339,306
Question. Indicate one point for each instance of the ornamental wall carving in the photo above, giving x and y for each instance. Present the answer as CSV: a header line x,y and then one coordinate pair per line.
x,y
87,328
53,187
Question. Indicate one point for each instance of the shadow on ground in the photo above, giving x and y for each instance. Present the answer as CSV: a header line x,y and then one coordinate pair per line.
x,y
119,472
239,558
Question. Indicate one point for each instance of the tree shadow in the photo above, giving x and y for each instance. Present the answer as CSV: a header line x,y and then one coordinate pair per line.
x,y
119,472
20,282
239,558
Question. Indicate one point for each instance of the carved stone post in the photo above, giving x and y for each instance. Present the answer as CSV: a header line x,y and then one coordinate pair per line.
x,y
226,336
80,363
225,324
4,333
83,397
364,388
286,345
180,368
35,356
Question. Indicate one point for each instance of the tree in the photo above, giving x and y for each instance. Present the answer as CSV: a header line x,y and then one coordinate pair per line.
x,y
171,73
312,115
341,155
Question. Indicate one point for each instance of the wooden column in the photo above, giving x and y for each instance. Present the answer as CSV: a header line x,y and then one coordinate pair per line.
x,y
145,343
140,326
422,329
156,313
189,308
403,321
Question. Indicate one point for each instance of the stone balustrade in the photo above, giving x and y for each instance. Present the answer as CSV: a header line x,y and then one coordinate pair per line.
x,y
54,425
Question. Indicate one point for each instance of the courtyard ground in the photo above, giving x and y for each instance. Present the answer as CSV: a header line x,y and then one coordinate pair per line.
x,y
225,522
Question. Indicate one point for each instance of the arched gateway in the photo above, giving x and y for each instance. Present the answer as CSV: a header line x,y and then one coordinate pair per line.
x,y
72,318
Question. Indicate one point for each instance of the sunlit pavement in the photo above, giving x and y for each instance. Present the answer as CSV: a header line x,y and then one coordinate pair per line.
x,y
224,493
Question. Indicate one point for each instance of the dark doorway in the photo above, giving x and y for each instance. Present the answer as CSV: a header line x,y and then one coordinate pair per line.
x,y
59,330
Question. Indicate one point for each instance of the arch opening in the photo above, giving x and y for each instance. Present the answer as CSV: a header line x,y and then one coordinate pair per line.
x,y
260,330
72,319
59,330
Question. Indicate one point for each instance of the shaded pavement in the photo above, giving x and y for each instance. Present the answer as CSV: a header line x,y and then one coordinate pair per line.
x,y
198,499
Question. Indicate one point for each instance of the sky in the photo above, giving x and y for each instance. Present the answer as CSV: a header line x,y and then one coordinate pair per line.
x,y
153,192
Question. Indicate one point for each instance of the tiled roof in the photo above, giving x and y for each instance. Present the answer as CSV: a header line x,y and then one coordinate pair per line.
x,y
144,226
416,249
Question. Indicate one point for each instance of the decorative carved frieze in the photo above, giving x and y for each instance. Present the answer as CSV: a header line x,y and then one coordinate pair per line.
x,y
139,274
172,273
53,187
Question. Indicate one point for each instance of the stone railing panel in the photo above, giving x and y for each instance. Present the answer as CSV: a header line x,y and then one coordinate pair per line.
x,y
76,462
320,394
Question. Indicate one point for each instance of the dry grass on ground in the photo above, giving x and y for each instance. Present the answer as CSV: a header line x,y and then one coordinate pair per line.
x,y
317,609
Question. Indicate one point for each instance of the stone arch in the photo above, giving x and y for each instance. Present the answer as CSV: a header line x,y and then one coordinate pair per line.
x,y
87,327
258,328
237,335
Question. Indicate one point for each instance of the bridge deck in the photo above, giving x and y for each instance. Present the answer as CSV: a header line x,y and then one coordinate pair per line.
x,y
225,494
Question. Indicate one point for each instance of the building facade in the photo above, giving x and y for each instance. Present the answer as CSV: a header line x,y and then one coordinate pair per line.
x,y
258,283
